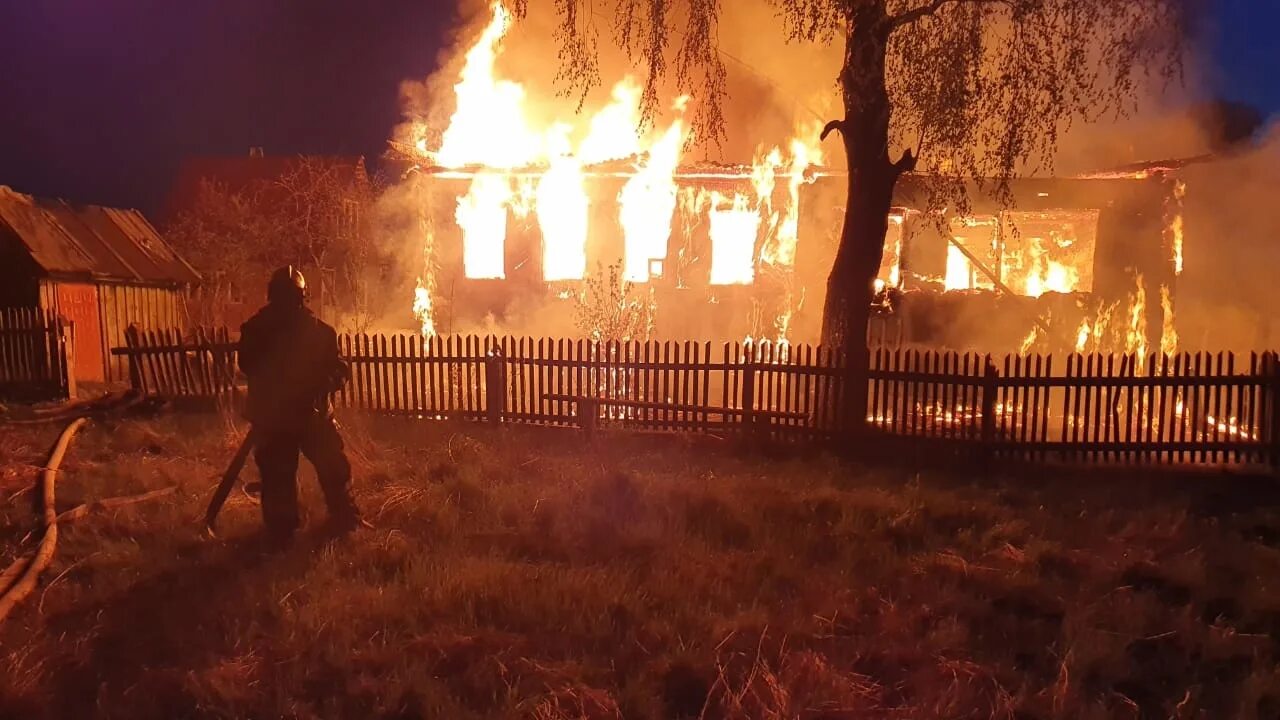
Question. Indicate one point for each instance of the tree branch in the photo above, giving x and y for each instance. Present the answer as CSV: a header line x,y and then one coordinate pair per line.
x,y
833,125
933,7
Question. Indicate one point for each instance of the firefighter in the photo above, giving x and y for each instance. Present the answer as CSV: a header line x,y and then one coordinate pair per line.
x,y
291,360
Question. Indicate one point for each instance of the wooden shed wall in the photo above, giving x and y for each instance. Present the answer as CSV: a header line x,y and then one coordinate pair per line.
x,y
125,305
120,306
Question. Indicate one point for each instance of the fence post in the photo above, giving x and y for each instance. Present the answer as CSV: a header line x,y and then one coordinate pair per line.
x,y
588,416
990,387
494,387
749,392
135,360
1272,368
67,343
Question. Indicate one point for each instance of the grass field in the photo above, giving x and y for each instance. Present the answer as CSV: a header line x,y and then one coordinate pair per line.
x,y
517,574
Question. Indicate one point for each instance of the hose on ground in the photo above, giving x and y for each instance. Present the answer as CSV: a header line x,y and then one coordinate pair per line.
x,y
28,576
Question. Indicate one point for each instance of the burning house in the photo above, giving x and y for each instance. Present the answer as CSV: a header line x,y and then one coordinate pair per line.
x,y
515,217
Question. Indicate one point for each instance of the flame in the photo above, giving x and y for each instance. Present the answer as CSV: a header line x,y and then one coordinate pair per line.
x,y
959,275
1136,339
893,255
562,214
488,128
1029,341
764,179
806,151
482,215
648,201
517,168
1046,274
733,240
1169,333
422,308
1178,224
612,133
1082,336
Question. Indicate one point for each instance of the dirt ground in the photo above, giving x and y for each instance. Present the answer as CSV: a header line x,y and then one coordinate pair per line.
x,y
519,573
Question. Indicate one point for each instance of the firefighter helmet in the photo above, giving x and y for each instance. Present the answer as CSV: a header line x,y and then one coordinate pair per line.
x,y
287,286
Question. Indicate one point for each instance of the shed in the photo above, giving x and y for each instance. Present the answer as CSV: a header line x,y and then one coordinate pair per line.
x,y
101,268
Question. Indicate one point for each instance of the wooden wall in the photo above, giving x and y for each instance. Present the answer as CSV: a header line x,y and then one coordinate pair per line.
x,y
120,306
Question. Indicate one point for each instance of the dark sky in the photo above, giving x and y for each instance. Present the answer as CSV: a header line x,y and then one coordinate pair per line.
x,y
100,99
1245,52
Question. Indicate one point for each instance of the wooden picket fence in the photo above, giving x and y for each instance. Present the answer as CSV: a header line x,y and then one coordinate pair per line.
x,y
654,386
35,355
169,363
1202,408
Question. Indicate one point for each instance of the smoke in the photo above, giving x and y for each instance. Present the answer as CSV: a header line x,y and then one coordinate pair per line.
x,y
1227,297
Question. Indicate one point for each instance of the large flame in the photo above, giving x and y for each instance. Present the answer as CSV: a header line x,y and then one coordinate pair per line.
x,y
733,240
648,202
612,132
959,274
482,215
805,152
562,215
488,127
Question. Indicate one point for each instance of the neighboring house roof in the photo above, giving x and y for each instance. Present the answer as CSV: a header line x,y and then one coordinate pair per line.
x,y
90,242
247,173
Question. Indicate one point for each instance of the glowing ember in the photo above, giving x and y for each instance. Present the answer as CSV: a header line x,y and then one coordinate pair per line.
x,y
482,215
733,241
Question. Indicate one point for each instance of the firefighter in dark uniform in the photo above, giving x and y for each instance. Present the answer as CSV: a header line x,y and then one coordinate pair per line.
x,y
291,360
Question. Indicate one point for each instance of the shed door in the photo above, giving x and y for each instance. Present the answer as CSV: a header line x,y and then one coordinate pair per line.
x,y
79,304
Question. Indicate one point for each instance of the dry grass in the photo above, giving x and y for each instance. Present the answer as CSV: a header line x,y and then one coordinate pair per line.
x,y
516,574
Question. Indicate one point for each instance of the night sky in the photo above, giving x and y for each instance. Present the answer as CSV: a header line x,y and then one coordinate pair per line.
x,y
100,99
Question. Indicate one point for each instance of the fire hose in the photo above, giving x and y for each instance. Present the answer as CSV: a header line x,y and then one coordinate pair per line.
x,y
19,580
27,573
228,482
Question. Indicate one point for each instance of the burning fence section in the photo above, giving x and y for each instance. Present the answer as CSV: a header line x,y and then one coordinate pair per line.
x,y
1202,406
